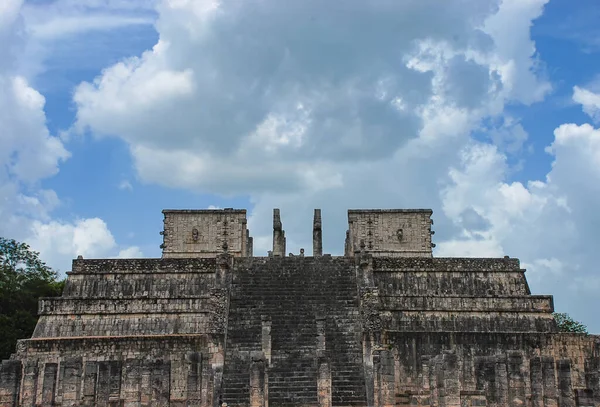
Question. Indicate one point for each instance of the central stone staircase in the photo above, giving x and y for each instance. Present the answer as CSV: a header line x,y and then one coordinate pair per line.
x,y
290,295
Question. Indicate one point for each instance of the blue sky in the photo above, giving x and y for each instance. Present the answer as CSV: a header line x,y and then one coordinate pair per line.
x,y
484,110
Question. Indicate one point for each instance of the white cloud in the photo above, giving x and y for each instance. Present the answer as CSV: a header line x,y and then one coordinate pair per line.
x,y
589,101
49,22
28,155
280,97
132,252
125,185
86,237
27,150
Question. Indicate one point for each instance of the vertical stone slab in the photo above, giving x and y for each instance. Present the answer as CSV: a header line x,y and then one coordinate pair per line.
x,y
71,385
550,395
278,235
10,380
206,389
145,383
584,398
516,380
369,368
317,234
244,237
194,379
90,379
324,393
49,384
131,379
29,386
384,365
115,382
537,382
178,382
348,250
566,397
592,377
103,384
451,379
376,379
250,246
257,380
266,337
324,390
159,383
485,376
217,362
425,380
501,381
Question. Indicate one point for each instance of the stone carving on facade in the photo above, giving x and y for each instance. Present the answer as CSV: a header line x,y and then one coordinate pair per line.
x,y
218,308
369,310
399,234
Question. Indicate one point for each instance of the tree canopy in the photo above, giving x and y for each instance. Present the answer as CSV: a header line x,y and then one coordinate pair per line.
x,y
24,278
567,324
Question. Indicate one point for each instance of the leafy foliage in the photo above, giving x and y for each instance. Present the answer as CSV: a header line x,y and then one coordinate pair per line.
x,y
567,324
24,278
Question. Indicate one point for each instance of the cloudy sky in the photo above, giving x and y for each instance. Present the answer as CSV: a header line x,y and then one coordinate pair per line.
x,y
486,111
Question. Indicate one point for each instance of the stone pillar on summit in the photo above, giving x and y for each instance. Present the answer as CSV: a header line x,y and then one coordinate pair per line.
x,y
278,235
317,234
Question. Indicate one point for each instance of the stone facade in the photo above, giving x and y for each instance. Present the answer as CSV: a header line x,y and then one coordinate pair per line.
x,y
390,232
385,325
202,233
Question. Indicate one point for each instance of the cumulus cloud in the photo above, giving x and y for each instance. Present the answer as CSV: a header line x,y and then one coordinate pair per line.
x,y
28,155
265,96
589,101
132,252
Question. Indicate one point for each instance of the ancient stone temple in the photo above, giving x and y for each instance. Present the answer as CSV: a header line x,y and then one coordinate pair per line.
x,y
387,324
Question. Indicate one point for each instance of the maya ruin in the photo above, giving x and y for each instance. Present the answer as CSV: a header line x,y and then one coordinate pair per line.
x,y
386,324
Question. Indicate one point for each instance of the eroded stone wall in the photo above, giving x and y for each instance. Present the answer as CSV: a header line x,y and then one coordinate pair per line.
x,y
202,233
387,325
390,233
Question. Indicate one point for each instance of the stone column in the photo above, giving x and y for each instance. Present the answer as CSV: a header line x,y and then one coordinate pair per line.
x,y
451,396
317,234
548,377
266,338
278,235
257,380
516,380
178,381
132,381
501,381
323,365
385,392
29,385
565,395
10,379
250,246
90,379
537,382
244,238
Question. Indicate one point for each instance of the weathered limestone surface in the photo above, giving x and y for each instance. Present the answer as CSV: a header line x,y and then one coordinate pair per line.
x,y
390,232
385,325
202,232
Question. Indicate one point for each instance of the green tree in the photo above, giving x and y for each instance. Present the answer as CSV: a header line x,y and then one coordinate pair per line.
x,y
24,278
567,324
